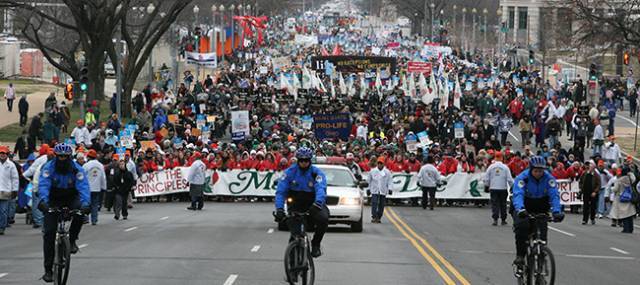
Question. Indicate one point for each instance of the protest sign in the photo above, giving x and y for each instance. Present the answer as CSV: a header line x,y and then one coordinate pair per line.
x,y
332,126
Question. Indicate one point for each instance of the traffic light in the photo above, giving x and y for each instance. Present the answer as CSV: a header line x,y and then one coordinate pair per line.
x,y
68,91
625,58
84,78
532,57
593,72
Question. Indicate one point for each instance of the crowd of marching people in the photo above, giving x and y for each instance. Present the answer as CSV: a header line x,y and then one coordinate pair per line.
x,y
173,129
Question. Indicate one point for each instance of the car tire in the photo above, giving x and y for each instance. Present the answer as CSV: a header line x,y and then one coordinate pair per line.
x,y
356,227
283,227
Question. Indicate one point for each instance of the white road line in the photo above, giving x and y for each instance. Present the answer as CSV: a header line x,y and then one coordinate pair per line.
x,y
164,218
3,274
232,278
255,248
514,137
627,119
619,250
561,231
270,231
636,226
83,245
130,229
601,256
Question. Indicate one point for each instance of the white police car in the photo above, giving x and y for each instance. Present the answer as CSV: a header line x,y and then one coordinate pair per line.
x,y
344,197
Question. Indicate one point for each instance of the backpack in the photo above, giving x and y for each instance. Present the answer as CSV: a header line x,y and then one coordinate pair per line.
x,y
627,195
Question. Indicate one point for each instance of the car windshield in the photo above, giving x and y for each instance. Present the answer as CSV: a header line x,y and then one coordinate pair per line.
x,y
339,177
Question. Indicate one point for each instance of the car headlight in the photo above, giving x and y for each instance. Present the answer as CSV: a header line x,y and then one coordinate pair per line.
x,y
349,201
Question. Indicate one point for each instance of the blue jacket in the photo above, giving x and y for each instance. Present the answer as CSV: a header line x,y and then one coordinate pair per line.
x,y
525,185
294,179
77,180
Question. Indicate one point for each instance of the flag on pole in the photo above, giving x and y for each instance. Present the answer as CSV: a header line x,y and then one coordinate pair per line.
x,y
363,87
342,86
457,93
306,78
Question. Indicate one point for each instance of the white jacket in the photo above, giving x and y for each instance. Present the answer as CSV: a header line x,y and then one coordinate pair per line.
x,y
81,135
40,161
611,152
9,180
498,176
95,175
428,176
380,181
197,173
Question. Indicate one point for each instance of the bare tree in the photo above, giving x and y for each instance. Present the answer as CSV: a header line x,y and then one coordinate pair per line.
x,y
141,31
606,23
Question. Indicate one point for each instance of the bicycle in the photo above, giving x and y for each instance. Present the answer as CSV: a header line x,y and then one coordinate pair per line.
x,y
62,257
298,263
539,264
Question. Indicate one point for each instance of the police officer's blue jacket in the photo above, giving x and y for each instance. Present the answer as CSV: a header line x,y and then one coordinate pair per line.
x,y
294,179
527,186
51,181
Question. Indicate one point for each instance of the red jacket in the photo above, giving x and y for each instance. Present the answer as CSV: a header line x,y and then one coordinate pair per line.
x,y
364,165
559,172
171,163
516,166
412,166
448,166
149,165
395,166
574,172
515,108
467,167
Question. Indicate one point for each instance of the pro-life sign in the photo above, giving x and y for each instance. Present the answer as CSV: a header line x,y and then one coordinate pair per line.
x,y
569,192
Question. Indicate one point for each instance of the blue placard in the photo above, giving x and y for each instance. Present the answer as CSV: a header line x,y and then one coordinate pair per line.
x,y
332,126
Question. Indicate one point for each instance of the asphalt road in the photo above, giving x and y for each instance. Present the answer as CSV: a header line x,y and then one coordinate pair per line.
x,y
237,243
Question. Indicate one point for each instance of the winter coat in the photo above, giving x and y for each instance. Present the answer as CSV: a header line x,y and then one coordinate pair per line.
x,y
123,181
622,210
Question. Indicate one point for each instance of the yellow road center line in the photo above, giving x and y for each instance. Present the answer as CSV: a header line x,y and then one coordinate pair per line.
x,y
433,251
424,254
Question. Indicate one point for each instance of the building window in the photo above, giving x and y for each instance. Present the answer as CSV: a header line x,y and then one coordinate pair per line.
x,y
512,15
522,18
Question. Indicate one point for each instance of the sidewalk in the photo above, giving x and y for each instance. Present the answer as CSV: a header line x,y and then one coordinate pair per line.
x,y
36,105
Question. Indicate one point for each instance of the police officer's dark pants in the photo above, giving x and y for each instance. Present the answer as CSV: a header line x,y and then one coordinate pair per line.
x,y
499,204
431,193
49,232
317,219
589,206
522,227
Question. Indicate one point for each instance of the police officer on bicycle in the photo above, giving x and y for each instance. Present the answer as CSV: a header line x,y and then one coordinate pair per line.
x,y
63,183
307,186
535,191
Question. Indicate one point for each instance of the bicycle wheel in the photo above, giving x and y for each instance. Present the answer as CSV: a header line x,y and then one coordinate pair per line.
x,y
529,269
545,268
292,261
59,261
309,275
67,260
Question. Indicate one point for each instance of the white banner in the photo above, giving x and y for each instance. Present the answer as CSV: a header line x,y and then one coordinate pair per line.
x,y
306,40
459,186
204,59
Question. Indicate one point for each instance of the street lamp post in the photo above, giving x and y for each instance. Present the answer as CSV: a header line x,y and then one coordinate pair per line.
x,y
484,39
150,10
454,27
232,11
432,6
499,28
214,34
196,9
474,11
223,35
463,39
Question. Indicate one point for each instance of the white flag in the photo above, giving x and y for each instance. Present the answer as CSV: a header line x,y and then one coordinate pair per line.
x,y
363,87
457,93
341,84
306,78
